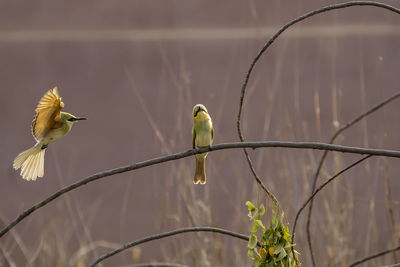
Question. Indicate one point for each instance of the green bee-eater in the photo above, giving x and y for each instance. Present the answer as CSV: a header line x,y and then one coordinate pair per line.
x,y
49,125
202,135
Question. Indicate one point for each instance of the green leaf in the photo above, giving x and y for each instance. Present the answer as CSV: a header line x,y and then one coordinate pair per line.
x,y
278,249
255,227
286,235
250,253
274,223
252,241
250,206
278,234
267,234
289,245
261,210
257,261
260,224
282,253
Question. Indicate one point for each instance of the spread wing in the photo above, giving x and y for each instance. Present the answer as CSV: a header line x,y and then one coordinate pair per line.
x,y
47,114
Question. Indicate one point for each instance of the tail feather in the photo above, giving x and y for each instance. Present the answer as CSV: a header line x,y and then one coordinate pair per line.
x,y
35,166
200,174
27,167
41,169
31,162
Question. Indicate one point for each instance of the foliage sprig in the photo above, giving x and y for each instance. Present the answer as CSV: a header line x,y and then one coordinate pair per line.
x,y
276,247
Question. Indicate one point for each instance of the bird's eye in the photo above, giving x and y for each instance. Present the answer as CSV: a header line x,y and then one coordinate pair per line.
x,y
71,119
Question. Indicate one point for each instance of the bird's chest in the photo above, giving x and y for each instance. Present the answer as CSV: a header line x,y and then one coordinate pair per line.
x,y
55,134
203,133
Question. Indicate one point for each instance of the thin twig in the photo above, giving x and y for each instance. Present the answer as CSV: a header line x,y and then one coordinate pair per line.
x,y
281,30
392,265
261,52
309,199
191,152
268,44
155,265
323,157
374,256
171,233
259,181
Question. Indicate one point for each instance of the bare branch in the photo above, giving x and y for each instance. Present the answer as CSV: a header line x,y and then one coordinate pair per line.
x,y
323,157
155,265
316,192
171,233
263,186
320,188
176,156
291,23
374,256
268,44
247,78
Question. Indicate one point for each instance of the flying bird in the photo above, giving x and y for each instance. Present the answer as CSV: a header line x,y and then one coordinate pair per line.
x,y
202,136
49,125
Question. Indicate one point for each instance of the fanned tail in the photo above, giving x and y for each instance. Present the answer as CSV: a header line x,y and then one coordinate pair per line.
x,y
200,174
31,162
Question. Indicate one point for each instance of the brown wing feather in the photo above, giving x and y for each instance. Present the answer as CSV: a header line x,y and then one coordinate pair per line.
x,y
47,114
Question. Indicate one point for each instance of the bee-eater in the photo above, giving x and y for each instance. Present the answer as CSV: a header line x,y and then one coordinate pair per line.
x,y
202,135
49,125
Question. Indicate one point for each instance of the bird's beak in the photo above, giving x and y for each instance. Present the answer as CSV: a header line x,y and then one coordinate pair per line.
x,y
80,119
198,110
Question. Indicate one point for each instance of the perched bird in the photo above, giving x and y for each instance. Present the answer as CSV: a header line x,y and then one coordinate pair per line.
x,y
202,135
49,125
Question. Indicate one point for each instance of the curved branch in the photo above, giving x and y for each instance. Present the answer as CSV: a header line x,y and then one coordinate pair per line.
x,y
171,233
157,265
265,47
323,157
176,156
316,192
320,188
291,23
374,256
276,206
258,56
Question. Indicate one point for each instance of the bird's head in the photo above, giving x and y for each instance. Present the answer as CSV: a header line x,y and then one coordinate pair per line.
x,y
69,118
199,109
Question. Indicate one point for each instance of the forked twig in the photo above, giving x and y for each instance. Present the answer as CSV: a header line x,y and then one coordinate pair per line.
x,y
258,56
265,47
316,192
323,157
310,198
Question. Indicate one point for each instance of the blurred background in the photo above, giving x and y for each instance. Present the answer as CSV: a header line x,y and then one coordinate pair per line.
x,y
135,69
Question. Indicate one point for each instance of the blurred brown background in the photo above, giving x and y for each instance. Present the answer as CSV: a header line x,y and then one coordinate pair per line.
x,y
136,68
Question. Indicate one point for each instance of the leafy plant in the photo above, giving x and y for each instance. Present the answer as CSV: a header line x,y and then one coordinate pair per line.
x,y
275,241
